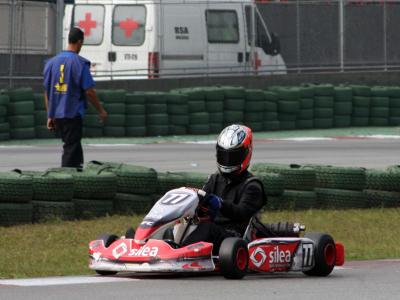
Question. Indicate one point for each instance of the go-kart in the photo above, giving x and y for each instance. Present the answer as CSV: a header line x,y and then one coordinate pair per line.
x,y
156,245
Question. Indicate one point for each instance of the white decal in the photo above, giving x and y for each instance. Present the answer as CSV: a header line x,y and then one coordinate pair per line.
x,y
308,254
144,251
276,256
120,250
172,199
263,257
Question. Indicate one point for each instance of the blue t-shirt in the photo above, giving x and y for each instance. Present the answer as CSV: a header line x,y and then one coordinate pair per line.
x,y
66,78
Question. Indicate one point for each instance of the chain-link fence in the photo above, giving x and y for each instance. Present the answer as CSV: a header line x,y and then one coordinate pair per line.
x,y
336,35
313,36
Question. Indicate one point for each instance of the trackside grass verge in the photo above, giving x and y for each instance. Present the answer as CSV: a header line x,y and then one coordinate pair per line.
x,y
61,248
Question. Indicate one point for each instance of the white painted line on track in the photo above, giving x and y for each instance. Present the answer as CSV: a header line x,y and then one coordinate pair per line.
x,y
47,281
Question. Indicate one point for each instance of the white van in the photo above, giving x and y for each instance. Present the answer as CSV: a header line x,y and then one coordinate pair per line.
x,y
127,39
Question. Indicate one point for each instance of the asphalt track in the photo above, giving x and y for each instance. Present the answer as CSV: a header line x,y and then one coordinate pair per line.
x,y
200,156
357,280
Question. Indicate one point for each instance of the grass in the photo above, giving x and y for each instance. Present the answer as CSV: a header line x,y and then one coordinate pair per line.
x,y
61,248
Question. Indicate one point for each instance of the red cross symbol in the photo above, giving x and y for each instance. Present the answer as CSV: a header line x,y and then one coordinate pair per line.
x,y
87,24
129,26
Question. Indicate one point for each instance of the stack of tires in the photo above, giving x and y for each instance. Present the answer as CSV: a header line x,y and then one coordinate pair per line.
x,y
94,191
379,115
135,115
383,189
234,104
15,198
324,106
254,109
21,114
52,196
305,117
178,112
157,121
343,107
270,120
4,125
199,118
92,125
41,118
288,106
274,187
114,103
136,186
298,184
394,106
361,105
340,187
215,108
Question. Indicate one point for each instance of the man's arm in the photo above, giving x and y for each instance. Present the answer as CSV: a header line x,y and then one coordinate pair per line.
x,y
50,121
94,100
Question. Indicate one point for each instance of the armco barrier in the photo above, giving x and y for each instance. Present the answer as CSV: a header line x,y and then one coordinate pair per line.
x,y
105,188
205,110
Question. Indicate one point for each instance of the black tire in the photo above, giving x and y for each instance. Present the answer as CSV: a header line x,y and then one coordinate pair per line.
x,y
233,258
108,239
324,254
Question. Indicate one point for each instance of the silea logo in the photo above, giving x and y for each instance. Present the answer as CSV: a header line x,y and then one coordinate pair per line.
x,y
277,256
122,249
258,257
144,251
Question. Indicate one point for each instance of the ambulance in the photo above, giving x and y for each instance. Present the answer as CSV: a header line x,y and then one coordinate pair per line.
x,y
128,39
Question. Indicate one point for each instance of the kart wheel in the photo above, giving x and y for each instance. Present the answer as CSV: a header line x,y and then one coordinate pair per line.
x,y
324,254
233,258
108,239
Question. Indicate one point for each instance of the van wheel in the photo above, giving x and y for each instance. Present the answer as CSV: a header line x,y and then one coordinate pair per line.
x,y
234,258
108,239
324,254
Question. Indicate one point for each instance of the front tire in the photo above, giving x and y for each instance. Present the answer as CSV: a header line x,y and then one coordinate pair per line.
x,y
107,239
324,254
234,258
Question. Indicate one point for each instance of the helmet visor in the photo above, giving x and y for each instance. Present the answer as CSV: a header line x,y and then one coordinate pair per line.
x,y
231,157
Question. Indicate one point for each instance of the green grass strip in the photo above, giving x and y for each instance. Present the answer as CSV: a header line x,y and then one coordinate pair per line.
x,y
61,248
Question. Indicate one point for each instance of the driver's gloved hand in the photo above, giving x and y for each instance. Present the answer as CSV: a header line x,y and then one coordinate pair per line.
x,y
214,204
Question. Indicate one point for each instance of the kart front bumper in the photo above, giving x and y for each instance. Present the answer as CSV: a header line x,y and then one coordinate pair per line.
x,y
199,265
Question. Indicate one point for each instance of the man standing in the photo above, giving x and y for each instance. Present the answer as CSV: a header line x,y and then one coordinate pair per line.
x,y
67,83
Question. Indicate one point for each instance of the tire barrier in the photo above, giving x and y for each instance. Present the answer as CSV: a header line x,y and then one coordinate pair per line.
x,y
295,177
91,184
128,204
204,110
130,179
106,188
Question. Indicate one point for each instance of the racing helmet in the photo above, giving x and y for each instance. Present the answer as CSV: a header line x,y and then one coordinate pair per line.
x,y
234,149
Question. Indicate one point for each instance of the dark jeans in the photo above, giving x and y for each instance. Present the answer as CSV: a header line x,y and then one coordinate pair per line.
x,y
71,135
208,232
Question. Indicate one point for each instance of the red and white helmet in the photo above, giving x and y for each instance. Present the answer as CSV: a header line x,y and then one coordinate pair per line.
x,y
234,149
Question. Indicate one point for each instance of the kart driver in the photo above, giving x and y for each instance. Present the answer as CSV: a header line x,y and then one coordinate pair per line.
x,y
234,195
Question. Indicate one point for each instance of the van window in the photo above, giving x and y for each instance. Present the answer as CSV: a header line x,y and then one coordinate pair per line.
x,y
128,27
90,18
222,26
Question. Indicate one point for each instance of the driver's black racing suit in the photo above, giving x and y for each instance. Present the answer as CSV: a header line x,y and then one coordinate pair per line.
x,y
243,196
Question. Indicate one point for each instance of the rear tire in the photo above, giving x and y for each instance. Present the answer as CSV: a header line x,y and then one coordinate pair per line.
x,y
233,258
324,254
108,239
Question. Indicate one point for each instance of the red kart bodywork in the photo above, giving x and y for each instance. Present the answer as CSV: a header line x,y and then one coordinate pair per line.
x,y
152,256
